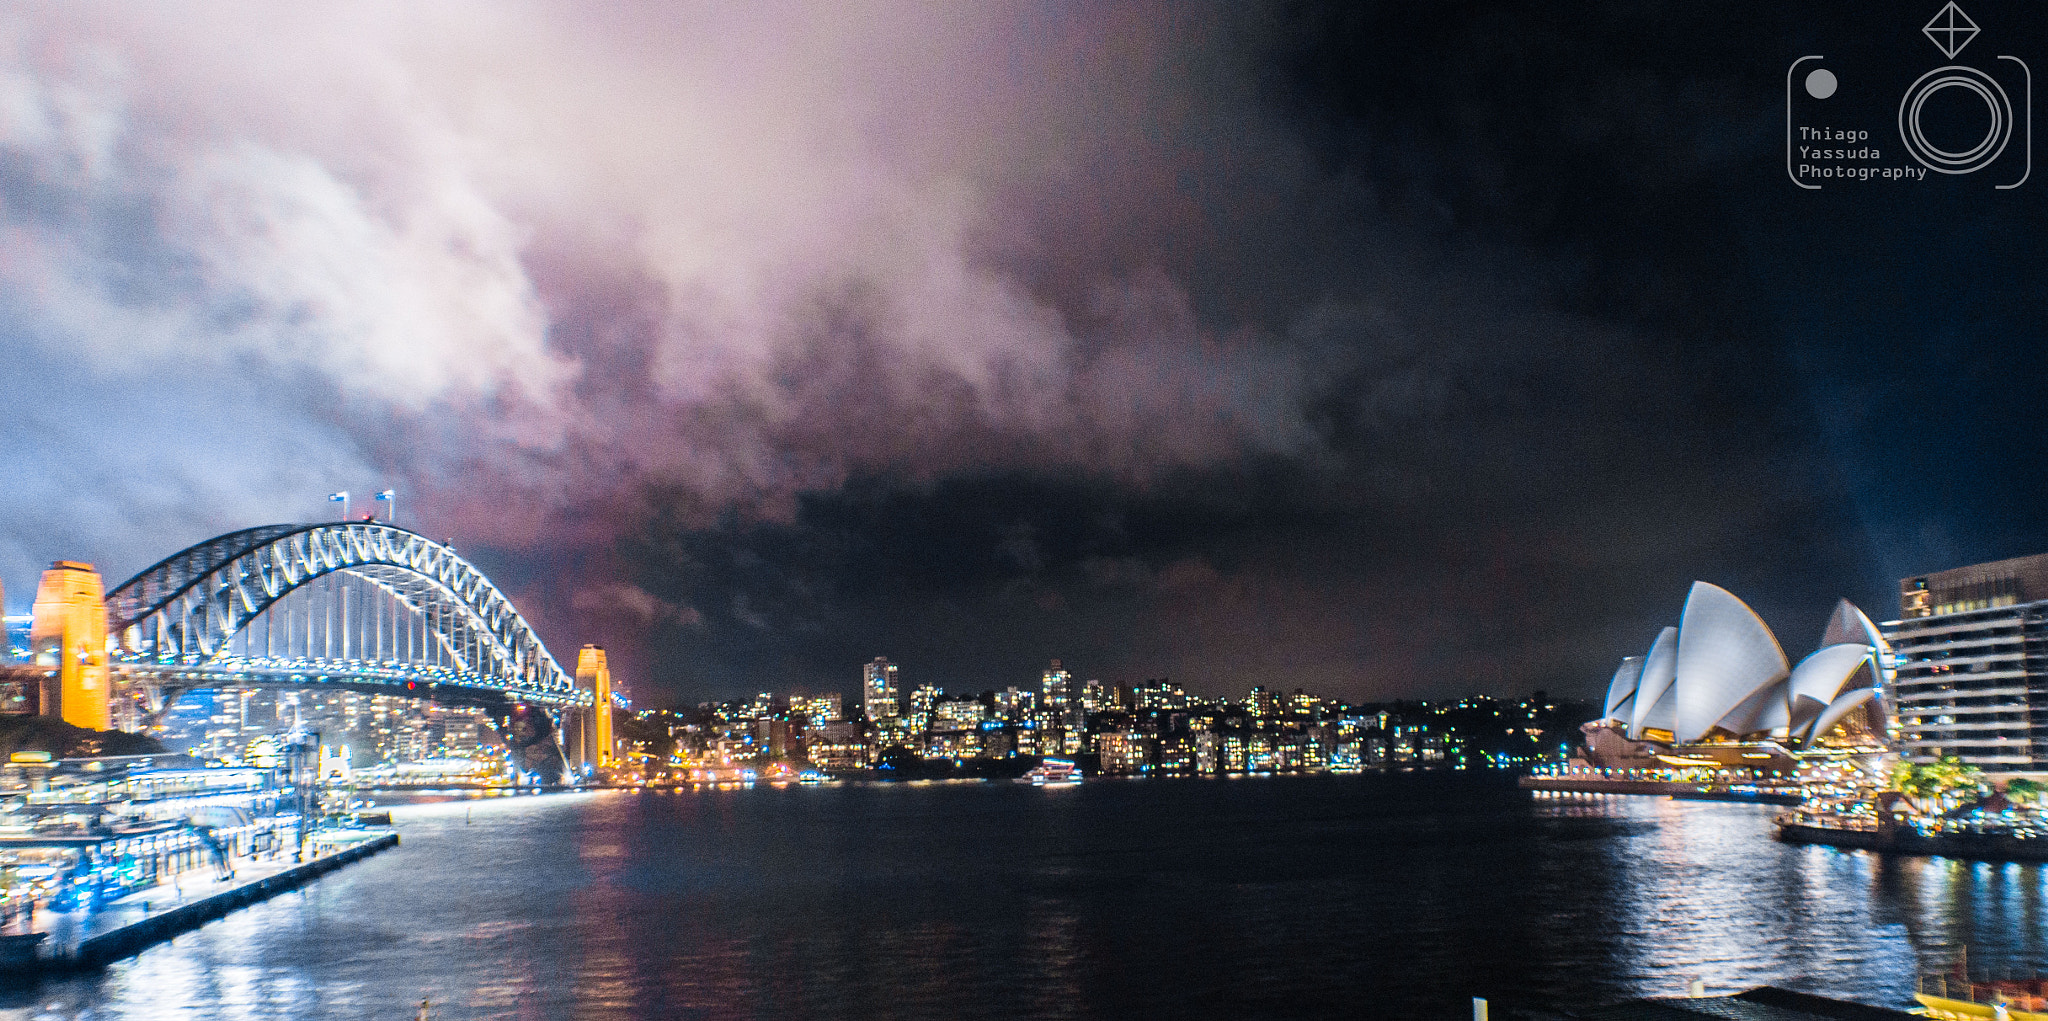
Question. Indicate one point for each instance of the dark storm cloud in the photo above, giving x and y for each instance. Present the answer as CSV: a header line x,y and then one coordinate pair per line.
x,y
1381,349
1535,266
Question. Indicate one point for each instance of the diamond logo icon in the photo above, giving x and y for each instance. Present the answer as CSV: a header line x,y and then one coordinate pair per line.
x,y
1951,30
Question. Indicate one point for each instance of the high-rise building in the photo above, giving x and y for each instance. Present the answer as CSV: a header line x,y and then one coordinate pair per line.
x,y
922,699
1056,691
1261,703
1095,698
878,690
1058,687
1014,706
1965,682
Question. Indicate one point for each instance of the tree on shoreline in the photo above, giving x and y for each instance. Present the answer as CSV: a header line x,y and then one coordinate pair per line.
x,y
1945,782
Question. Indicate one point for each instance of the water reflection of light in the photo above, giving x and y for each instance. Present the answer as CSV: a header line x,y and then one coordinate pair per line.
x,y
1704,891
1053,938
995,902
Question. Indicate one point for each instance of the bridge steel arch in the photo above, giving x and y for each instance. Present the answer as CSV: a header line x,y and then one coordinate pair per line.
x,y
179,617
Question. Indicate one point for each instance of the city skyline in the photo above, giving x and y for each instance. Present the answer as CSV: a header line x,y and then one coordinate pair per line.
x,y
1155,728
1311,342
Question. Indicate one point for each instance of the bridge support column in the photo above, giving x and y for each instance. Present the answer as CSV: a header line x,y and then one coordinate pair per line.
x,y
575,737
594,676
69,632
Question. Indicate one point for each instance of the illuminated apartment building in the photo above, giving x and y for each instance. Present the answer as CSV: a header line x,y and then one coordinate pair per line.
x,y
1097,697
922,699
1024,739
837,746
1125,751
955,743
1159,694
878,690
817,710
1057,685
1262,704
1971,659
1014,706
1055,698
1177,753
958,712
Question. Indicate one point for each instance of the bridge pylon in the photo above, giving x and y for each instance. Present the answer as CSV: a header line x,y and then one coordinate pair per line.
x,y
590,737
69,632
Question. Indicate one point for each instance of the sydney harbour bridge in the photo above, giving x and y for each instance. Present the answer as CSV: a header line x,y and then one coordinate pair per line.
x,y
362,606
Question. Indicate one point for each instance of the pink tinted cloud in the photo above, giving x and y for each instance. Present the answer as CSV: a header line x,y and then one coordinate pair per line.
x,y
536,259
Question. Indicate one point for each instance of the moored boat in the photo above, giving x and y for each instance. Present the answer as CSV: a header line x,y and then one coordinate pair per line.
x,y
1955,996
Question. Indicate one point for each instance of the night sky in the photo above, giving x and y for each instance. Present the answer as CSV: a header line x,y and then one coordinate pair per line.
x,y
1386,350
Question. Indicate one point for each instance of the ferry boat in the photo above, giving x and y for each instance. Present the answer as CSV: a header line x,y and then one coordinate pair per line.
x,y
1053,773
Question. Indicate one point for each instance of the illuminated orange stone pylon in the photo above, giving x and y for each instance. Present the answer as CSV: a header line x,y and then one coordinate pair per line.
x,y
593,675
69,632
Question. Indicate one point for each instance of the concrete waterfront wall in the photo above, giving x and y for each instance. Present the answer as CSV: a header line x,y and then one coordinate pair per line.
x,y
1603,785
1905,840
131,939
1687,791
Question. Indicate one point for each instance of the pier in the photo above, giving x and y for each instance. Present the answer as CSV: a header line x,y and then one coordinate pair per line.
x,y
1974,845
50,942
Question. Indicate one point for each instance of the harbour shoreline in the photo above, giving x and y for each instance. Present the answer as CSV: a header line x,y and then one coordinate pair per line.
x,y
76,948
1906,840
1690,791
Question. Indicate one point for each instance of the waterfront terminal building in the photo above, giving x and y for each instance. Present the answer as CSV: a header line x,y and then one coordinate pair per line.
x,y
1971,654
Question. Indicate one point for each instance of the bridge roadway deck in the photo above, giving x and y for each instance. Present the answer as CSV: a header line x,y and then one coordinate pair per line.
x,y
128,925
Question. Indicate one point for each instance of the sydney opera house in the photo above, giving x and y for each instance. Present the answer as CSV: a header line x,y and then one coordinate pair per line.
x,y
1718,691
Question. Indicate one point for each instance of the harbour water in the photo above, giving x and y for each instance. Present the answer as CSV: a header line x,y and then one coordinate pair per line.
x,y
1374,896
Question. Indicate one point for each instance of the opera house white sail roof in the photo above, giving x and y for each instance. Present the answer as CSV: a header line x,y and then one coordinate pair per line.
x,y
1721,672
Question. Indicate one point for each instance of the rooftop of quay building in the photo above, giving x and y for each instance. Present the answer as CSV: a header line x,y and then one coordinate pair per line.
x,y
85,802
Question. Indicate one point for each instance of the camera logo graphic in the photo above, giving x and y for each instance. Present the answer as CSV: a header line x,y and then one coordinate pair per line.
x,y
1955,119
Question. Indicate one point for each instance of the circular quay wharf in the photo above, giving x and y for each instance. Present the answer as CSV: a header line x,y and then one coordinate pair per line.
x,y
102,855
107,855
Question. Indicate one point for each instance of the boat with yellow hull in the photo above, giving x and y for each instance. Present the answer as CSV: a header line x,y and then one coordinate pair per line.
x,y
1956,996
1944,1007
